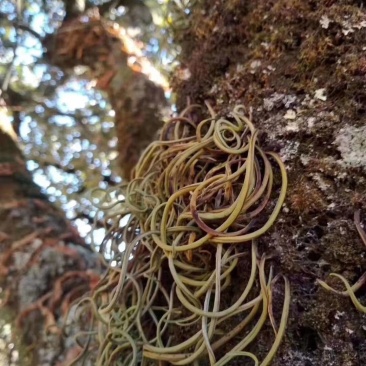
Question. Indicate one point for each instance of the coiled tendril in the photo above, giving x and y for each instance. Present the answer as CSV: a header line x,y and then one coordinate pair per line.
x,y
200,197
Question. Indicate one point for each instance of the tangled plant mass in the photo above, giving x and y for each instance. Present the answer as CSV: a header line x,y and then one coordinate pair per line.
x,y
200,197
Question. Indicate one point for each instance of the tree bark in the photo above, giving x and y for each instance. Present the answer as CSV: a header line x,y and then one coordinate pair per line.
x,y
44,264
299,68
105,49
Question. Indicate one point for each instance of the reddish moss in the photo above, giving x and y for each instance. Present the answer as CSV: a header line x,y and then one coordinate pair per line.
x,y
305,198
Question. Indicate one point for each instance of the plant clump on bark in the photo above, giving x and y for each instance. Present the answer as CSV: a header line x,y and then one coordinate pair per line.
x,y
299,67
199,199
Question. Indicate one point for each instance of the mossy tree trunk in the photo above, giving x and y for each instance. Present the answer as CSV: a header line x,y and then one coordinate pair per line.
x,y
299,68
44,264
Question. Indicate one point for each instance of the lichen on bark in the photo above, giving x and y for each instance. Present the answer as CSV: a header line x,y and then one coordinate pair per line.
x,y
299,68
44,264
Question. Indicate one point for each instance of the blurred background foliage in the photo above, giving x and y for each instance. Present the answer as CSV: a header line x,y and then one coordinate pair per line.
x,y
65,125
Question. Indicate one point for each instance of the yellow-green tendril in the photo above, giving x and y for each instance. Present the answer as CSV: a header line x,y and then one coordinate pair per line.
x,y
200,197
350,290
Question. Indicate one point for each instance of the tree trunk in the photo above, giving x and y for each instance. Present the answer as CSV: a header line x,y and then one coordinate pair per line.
x,y
105,49
299,68
44,264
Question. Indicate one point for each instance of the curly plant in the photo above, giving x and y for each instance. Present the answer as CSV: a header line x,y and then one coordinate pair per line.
x,y
200,197
350,290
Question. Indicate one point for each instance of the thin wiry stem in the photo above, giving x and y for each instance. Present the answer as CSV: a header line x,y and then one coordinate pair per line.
x,y
195,197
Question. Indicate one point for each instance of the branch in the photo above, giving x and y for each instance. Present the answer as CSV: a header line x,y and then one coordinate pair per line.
x,y
143,10
107,6
20,25
44,163
25,28
98,224
73,9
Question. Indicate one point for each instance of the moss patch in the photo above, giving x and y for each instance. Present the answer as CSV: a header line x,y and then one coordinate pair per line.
x,y
299,68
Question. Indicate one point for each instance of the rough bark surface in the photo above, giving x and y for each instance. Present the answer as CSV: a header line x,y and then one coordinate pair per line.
x,y
299,68
105,49
44,264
